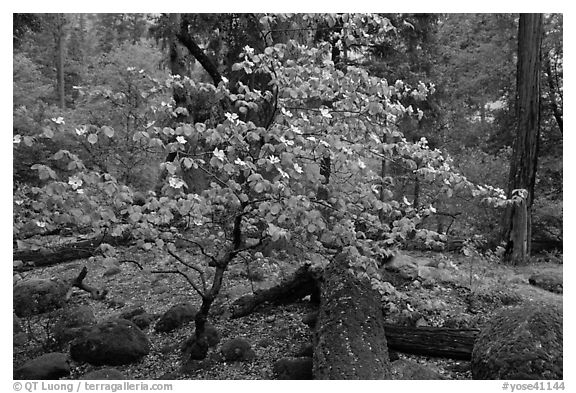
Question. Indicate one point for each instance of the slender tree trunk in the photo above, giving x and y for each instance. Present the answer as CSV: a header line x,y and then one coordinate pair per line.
x,y
524,158
556,110
61,49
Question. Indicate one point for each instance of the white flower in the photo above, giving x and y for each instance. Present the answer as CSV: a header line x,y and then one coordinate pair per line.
x,y
361,164
130,69
298,168
286,113
80,191
176,182
285,141
273,159
41,224
325,113
311,139
181,139
432,209
16,139
74,181
249,51
219,154
238,161
295,130
82,130
231,116
284,174
58,120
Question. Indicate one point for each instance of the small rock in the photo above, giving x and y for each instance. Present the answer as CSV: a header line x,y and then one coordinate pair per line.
x,y
116,302
143,321
237,349
130,312
176,317
294,368
270,318
160,289
111,271
310,319
49,366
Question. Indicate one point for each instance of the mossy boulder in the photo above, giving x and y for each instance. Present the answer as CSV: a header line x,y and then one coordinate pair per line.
x,y
176,317
523,342
113,342
74,323
237,349
37,296
294,368
52,365
550,281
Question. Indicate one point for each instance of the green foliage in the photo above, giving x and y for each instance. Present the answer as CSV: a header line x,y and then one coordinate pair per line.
x,y
303,142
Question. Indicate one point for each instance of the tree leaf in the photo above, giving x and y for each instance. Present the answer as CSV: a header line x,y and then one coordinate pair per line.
x,y
108,131
93,139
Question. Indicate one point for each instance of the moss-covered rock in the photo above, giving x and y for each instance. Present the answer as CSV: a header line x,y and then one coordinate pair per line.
x,y
520,343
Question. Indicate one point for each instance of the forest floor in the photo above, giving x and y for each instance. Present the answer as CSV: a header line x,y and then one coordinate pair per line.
x,y
462,295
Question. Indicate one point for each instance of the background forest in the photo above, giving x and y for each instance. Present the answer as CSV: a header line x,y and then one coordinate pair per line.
x,y
204,146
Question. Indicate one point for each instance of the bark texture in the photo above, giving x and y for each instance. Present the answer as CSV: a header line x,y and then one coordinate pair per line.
x,y
431,341
350,341
525,153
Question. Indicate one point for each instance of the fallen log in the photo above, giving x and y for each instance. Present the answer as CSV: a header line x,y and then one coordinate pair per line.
x,y
303,282
64,253
349,341
432,341
428,341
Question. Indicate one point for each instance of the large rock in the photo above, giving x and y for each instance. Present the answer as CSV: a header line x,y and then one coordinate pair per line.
x,y
74,323
104,374
176,317
37,296
520,343
113,342
52,365
550,281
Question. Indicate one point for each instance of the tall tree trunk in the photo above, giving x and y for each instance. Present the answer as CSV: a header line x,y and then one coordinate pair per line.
x,y
61,50
524,158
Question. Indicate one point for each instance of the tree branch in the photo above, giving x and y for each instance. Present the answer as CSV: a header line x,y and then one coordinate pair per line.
x,y
191,266
186,39
190,281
